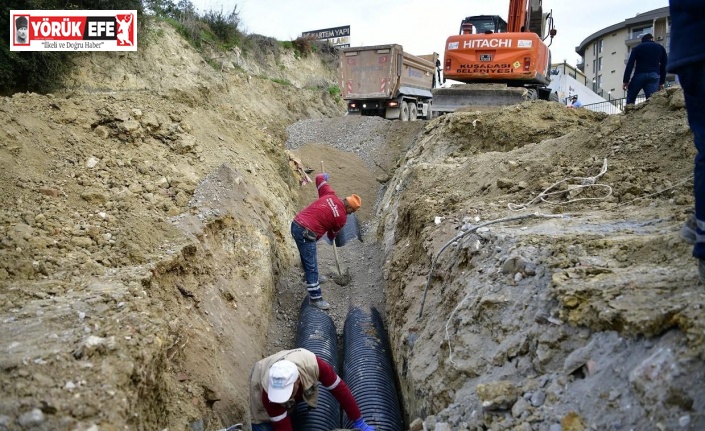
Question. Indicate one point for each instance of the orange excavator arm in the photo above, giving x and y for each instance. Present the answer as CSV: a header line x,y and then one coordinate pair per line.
x,y
516,19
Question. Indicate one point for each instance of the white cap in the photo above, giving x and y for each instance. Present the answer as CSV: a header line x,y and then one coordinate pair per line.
x,y
282,376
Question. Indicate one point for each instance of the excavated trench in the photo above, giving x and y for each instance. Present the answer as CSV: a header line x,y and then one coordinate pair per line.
x,y
532,324
145,277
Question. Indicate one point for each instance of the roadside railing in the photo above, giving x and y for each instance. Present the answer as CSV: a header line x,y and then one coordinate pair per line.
x,y
613,106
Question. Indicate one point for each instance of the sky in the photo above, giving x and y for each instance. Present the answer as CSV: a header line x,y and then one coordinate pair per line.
x,y
421,27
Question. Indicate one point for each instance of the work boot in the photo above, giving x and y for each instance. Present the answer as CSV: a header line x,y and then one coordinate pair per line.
x,y
688,231
321,304
629,108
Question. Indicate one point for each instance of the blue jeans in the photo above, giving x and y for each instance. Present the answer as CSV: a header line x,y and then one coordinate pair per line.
x,y
692,79
309,260
267,426
649,82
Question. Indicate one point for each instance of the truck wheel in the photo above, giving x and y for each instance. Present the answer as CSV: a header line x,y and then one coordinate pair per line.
x,y
404,112
413,114
429,113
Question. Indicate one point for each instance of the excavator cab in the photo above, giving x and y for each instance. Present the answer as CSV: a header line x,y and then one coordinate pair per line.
x,y
498,62
483,24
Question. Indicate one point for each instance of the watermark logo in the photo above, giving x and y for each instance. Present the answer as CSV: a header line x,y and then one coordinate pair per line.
x,y
73,30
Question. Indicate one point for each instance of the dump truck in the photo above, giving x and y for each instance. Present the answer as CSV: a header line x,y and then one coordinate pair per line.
x,y
386,81
498,62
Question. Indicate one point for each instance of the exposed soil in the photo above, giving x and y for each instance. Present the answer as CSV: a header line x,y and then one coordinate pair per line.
x,y
146,261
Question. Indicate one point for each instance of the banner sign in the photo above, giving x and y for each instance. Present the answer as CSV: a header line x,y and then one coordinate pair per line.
x,y
336,36
73,30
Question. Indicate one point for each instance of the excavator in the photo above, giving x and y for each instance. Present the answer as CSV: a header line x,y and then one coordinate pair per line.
x,y
498,62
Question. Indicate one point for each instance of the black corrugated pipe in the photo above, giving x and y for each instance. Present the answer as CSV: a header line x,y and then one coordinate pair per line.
x,y
368,370
316,332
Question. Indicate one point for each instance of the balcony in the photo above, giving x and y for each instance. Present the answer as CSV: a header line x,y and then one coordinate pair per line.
x,y
634,36
636,40
633,41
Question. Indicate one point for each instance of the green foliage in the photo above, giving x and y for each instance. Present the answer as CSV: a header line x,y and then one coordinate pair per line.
x,y
214,28
335,92
224,27
43,72
304,45
261,47
281,81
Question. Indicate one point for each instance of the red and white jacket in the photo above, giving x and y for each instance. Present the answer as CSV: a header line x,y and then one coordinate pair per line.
x,y
278,414
326,215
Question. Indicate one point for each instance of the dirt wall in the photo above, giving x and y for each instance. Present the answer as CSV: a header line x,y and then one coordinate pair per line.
x,y
583,315
144,222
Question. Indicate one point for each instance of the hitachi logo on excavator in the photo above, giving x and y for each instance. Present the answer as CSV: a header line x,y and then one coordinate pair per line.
x,y
487,43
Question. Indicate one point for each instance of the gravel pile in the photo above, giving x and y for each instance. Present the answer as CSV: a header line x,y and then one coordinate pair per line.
x,y
356,134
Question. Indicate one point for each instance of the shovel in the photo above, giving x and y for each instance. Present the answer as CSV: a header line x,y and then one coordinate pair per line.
x,y
341,279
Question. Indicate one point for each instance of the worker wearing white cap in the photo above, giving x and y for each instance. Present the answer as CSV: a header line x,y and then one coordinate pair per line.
x,y
279,381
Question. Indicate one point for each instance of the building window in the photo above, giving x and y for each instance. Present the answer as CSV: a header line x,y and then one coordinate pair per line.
x,y
601,45
599,81
594,65
638,32
599,64
594,49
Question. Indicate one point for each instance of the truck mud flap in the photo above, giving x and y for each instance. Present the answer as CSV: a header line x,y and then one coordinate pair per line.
x,y
391,113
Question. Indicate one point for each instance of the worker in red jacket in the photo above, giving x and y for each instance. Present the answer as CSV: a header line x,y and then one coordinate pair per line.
x,y
279,381
325,216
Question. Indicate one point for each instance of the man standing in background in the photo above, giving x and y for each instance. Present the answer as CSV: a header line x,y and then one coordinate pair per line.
x,y
688,61
650,73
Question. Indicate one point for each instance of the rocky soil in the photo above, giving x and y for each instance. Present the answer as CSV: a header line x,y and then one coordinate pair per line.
x,y
146,261
586,314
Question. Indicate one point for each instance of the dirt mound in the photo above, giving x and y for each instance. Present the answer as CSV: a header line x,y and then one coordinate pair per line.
x,y
529,323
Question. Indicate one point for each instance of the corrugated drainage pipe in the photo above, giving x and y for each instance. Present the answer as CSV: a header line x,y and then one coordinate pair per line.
x,y
316,332
368,370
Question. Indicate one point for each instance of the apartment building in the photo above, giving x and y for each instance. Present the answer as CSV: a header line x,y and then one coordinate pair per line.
x,y
605,53
572,71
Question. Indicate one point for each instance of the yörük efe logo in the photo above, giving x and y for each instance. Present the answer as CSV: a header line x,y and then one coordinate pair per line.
x,y
69,30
